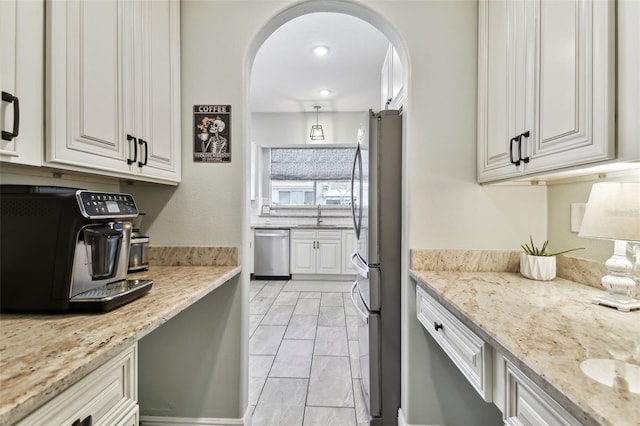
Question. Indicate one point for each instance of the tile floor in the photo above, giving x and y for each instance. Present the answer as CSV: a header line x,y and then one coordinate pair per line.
x,y
303,352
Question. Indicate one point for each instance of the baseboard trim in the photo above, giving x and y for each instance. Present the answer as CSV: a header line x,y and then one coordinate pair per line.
x,y
403,422
196,421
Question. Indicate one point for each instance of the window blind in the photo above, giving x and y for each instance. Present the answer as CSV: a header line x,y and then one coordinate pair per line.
x,y
317,163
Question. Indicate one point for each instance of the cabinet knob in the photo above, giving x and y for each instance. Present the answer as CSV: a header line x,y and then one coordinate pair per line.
x,y
437,326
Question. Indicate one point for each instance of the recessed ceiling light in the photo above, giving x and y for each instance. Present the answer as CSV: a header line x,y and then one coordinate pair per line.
x,y
321,50
325,92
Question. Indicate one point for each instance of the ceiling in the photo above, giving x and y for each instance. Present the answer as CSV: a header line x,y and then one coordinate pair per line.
x,y
287,76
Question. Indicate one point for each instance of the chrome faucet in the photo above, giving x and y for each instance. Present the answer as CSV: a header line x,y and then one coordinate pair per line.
x,y
319,215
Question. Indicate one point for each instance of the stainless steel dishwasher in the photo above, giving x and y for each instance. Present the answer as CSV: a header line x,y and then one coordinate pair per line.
x,y
271,254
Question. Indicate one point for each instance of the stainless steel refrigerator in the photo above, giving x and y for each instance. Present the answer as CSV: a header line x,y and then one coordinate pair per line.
x,y
376,205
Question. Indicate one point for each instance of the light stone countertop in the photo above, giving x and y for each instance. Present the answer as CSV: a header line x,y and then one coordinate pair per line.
x,y
547,329
43,355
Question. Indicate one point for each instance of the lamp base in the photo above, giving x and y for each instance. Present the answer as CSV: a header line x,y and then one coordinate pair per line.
x,y
624,304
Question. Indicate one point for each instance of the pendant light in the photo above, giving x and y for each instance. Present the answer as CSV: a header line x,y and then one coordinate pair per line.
x,y
317,134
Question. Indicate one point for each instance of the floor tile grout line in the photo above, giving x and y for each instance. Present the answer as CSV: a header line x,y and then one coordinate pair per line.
x,y
352,409
274,356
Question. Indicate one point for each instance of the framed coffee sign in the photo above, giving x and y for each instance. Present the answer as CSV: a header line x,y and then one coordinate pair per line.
x,y
212,133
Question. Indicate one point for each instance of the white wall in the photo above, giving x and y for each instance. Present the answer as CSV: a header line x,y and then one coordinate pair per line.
x,y
285,128
561,197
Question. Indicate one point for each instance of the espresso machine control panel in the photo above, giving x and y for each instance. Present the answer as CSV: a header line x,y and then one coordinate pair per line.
x,y
97,205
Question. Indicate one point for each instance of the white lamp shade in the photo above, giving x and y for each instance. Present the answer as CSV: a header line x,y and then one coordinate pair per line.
x,y
613,212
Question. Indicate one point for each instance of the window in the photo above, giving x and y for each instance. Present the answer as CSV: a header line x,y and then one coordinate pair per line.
x,y
306,176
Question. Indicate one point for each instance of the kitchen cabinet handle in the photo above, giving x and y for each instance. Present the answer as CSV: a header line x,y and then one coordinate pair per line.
x,y
135,149
511,141
437,326
8,97
88,421
317,244
146,152
526,135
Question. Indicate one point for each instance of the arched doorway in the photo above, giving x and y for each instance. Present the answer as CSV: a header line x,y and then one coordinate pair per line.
x,y
298,10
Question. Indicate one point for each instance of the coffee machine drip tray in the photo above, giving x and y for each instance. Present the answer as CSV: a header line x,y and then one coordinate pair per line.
x,y
109,296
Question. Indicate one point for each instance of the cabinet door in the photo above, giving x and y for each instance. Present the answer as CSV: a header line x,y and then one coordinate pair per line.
x,y
89,72
385,76
303,256
159,89
329,254
392,93
575,72
503,86
21,76
527,404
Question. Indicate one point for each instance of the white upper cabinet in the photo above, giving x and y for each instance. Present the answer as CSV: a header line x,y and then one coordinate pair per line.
x,y
21,81
159,130
392,93
546,86
113,88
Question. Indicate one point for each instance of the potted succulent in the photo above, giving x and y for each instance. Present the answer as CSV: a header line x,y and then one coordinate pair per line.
x,y
537,263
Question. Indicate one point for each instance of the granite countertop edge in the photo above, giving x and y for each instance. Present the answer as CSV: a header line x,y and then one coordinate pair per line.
x,y
322,227
581,410
203,281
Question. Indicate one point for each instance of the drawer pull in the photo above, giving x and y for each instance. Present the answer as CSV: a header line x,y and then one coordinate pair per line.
x,y
437,326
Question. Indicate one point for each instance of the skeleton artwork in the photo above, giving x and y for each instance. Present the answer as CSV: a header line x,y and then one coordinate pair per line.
x,y
211,137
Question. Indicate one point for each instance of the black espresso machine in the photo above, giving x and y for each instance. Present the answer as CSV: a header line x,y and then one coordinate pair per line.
x,y
65,249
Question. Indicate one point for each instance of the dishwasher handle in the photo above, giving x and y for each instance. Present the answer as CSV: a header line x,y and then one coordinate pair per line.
x,y
272,233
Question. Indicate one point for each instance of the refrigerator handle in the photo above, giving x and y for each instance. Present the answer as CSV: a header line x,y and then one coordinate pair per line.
x,y
355,262
357,219
364,316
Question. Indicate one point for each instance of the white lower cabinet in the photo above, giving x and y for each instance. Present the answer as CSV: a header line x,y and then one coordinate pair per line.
x,y
349,245
107,396
496,379
316,251
526,404
469,353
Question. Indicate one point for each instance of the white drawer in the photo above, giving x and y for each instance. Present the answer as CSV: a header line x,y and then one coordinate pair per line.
x,y
330,234
303,233
471,354
528,405
107,394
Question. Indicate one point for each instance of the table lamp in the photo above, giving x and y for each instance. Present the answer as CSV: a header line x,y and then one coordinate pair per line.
x,y
613,213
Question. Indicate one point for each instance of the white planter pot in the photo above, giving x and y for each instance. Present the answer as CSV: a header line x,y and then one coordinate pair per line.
x,y
541,268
